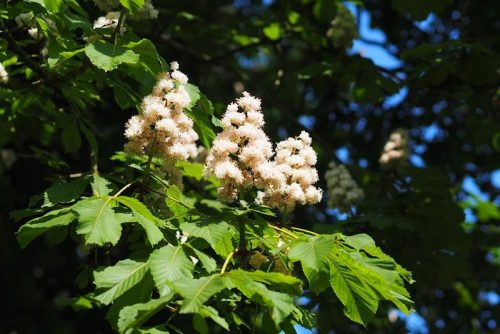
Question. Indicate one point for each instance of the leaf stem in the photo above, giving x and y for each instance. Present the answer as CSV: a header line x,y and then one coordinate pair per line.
x,y
284,231
304,230
226,262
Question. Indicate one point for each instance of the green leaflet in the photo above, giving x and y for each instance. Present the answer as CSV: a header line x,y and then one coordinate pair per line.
x,y
39,225
210,312
107,56
312,254
280,305
176,202
118,279
100,186
169,264
215,233
98,222
208,262
65,192
133,316
197,291
191,169
194,94
134,6
145,218
285,283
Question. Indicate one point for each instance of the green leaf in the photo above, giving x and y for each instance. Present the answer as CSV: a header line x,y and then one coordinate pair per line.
x,y
65,192
361,282
145,218
209,312
176,201
118,279
53,6
100,186
280,305
272,31
359,300
285,283
134,6
37,226
98,222
107,57
194,94
169,264
208,262
197,291
133,316
312,253
191,169
217,234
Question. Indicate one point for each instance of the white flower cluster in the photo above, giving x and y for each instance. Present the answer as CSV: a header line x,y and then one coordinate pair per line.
x,y
148,11
293,175
4,76
241,157
109,21
396,150
241,150
162,128
343,191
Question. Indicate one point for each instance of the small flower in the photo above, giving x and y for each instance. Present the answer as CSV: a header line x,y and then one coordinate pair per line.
x,y
182,237
4,76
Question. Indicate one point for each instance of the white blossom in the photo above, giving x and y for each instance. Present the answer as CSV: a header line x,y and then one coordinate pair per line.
x,y
343,191
396,150
289,179
241,149
4,76
110,21
182,237
162,128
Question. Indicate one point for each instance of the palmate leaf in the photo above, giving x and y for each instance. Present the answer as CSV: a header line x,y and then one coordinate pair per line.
x,y
216,233
133,316
118,279
197,291
37,226
168,264
359,273
98,222
281,305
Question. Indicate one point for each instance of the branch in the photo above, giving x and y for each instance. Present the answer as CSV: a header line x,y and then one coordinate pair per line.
x,y
23,55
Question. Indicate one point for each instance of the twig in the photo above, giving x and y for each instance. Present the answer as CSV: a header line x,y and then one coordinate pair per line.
x,y
228,259
284,231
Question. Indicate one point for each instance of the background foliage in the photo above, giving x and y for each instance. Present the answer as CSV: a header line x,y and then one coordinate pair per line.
x,y
63,109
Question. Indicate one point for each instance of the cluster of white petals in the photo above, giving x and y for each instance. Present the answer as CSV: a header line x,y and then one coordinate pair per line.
x,y
343,191
291,175
396,150
162,128
241,152
4,76
148,11
109,21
